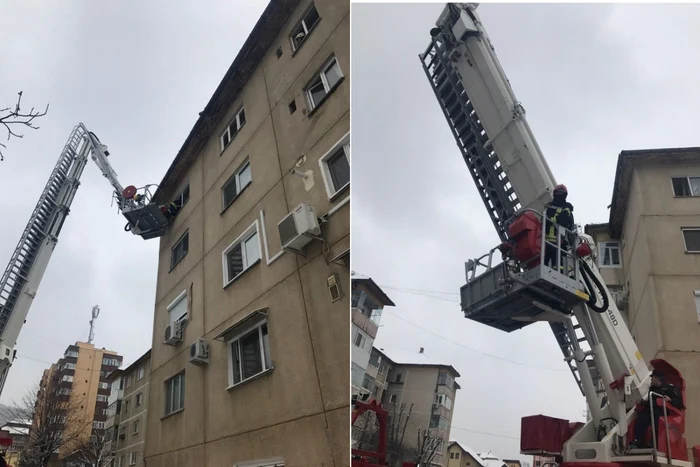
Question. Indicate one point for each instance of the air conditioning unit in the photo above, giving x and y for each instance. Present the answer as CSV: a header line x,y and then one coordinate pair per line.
x,y
199,352
298,228
173,333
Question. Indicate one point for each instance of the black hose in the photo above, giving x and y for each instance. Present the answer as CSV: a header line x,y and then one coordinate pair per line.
x,y
127,227
593,300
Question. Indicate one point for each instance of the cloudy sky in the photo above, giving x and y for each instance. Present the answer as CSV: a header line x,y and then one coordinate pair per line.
x,y
137,74
595,80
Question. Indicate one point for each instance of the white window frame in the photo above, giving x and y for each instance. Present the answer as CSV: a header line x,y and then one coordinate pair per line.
x,y
689,186
236,178
685,244
696,295
306,28
140,374
343,142
135,428
265,358
132,458
171,321
602,246
69,366
138,399
167,382
443,400
227,132
324,80
103,385
392,398
254,229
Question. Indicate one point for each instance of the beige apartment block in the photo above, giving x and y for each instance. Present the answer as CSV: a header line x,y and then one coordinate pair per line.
x,y
650,254
429,391
82,376
462,456
128,408
250,354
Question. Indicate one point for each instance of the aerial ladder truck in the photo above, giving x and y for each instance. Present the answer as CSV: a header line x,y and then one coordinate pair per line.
x,y
516,184
21,279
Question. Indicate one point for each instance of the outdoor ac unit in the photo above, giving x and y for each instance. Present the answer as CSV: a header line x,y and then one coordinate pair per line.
x,y
199,352
173,333
298,228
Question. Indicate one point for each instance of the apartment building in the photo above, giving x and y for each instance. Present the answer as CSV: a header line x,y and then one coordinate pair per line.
x,y
82,378
649,254
428,389
18,432
127,413
368,301
462,456
376,374
249,358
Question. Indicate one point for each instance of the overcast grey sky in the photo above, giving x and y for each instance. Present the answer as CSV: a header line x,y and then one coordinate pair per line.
x,y
595,80
137,74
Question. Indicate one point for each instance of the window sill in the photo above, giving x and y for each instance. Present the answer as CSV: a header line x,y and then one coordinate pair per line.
x,y
172,413
235,198
252,378
342,190
325,98
242,273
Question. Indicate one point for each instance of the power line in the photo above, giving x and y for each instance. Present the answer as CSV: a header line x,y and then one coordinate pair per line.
x,y
471,348
401,289
484,433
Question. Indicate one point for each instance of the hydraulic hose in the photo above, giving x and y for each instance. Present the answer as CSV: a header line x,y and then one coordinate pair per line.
x,y
593,300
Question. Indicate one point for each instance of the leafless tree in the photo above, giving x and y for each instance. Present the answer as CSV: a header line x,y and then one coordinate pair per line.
x,y
13,117
57,421
399,416
365,432
96,451
427,446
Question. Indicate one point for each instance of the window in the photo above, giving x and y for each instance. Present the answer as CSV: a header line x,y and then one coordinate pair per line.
x,y
249,354
175,394
72,353
392,399
452,455
233,187
233,128
609,255
67,378
69,366
139,399
398,378
183,197
375,359
361,300
301,31
64,392
140,374
324,83
360,340
241,254
382,368
110,362
691,237
436,421
103,385
686,186
121,461
446,379
180,249
456,455
101,398
357,375
697,303
135,429
125,408
335,167
128,381
98,425
443,400
132,458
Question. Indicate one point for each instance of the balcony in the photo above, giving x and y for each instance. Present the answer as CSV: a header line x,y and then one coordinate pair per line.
x,y
364,322
114,414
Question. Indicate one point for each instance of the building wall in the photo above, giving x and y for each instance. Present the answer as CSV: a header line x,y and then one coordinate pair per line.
x,y
457,457
661,277
308,421
132,417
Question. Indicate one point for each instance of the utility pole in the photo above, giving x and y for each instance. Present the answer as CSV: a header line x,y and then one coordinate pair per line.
x,y
95,314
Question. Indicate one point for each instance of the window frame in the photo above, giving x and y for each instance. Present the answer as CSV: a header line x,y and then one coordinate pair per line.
x,y
689,186
685,243
602,246
135,427
181,377
227,132
253,229
235,178
127,383
327,65
344,144
138,399
264,357
181,196
392,398
185,317
132,458
306,28
140,374
363,340
696,296
173,262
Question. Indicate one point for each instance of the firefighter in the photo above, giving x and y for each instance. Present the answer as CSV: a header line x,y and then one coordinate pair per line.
x,y
669,392
561,212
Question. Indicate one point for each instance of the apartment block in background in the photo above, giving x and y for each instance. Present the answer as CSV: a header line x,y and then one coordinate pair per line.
x,y
460,455
249,358
429,390
368,301
127,412
18,431
649,253
82,373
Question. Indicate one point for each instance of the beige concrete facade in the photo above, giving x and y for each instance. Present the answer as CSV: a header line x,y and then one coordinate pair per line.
x,y
289,402
459,456
429,391
658,276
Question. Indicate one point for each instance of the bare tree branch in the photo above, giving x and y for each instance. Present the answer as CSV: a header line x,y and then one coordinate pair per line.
x,y
427,446
96,451
18,118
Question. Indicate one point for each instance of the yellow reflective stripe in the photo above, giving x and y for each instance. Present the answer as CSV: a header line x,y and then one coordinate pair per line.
x,y
551,233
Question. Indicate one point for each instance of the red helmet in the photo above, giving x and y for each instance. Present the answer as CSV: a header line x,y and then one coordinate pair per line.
x,y
561,188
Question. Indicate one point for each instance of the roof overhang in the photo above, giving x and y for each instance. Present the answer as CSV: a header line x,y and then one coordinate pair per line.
x,y
375,290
